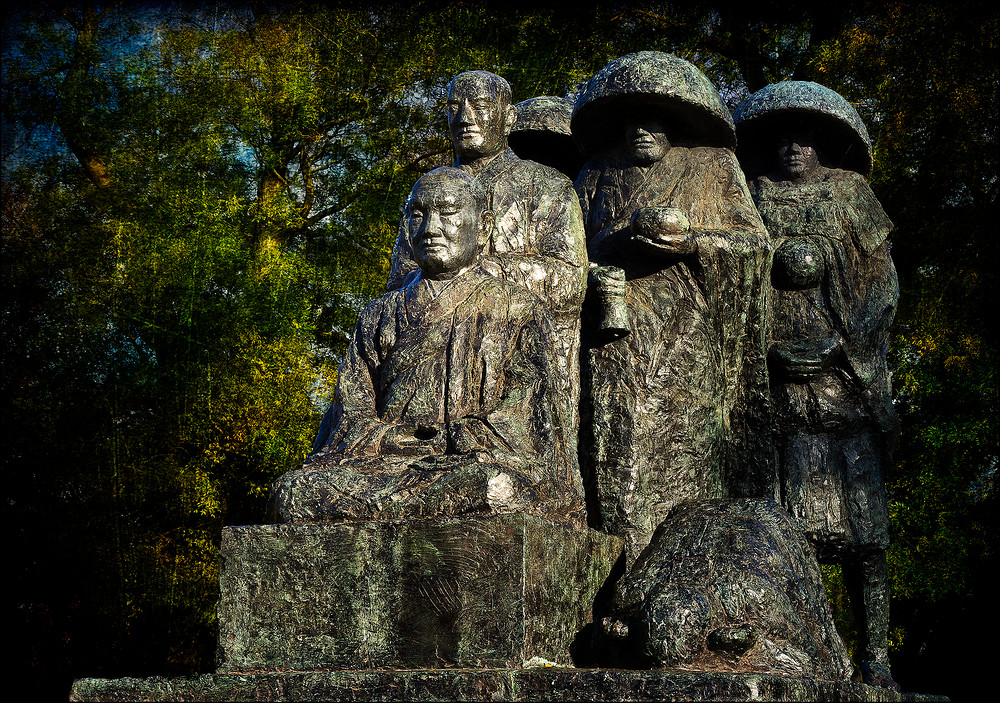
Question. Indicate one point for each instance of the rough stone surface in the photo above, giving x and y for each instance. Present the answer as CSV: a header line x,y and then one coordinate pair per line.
x,y
833,298
675,408
830,383
544,684
542,133
537,241
801,102
460,396
645,79
498,591
728,586
451,398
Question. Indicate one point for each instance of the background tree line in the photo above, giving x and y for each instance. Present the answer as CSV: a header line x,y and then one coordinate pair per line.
x,y
198,199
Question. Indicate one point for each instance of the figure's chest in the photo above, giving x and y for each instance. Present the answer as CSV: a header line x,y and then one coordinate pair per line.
x,y
514,231
518,213
798,210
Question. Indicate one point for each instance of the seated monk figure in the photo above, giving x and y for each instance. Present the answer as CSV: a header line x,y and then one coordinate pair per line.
x,y
445,403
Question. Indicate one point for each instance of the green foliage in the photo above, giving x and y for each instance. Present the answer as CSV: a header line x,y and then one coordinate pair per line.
x,y
840,604
199,199
931,103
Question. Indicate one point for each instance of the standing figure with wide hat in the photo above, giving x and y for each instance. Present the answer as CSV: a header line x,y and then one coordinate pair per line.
x,y
674,396
832,299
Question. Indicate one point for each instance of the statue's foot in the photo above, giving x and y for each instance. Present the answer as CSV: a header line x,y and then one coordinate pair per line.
x,y
875,674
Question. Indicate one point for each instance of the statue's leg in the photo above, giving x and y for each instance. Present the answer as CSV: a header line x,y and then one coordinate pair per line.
x,y
868,588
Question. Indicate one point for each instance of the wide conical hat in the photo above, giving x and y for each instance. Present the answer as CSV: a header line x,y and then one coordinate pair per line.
x,y
843,139
545,113
694,113
542,133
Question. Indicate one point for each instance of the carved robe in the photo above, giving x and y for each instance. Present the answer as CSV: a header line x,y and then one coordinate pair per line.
x,y
469,359
537,244
836,427
672,407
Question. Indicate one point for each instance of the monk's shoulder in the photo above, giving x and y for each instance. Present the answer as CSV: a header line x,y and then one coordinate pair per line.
x,y
542,176
513,300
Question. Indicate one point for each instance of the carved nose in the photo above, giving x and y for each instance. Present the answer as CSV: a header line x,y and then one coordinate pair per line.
x,y
464,116
431,225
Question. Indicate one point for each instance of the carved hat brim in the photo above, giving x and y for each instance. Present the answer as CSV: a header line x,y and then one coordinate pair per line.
x,y
542,133
651,81
544,113
761,118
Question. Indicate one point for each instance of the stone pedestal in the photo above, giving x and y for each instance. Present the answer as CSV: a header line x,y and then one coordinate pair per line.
x,y
498,591
542,684
472,609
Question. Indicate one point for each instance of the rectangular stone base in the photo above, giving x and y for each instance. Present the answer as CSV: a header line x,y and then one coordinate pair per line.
x,y
497,591
541,684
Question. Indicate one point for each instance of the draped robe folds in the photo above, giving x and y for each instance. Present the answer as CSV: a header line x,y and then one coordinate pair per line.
x,y
676,409
836,428
471,358
537,244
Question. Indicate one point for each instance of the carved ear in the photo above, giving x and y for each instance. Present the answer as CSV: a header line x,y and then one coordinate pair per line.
x,y
510,119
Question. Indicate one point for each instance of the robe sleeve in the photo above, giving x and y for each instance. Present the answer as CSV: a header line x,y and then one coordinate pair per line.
x,y
351,424
864,290
733,266
518,425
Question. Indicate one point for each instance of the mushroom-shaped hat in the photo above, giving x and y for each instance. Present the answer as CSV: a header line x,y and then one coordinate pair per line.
x,y
651,81
842,139
542,133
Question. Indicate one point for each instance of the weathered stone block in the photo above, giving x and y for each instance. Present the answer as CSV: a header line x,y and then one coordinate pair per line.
x,y
488,685
728,586
493,591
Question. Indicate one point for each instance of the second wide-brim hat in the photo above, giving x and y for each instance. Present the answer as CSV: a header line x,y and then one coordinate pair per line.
x,y
843,140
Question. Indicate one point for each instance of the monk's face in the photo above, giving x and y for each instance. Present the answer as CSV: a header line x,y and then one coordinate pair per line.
x,y
646,140
797,156
444,226
479,116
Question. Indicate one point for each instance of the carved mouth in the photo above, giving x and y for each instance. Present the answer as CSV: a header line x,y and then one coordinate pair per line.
x,y
432,245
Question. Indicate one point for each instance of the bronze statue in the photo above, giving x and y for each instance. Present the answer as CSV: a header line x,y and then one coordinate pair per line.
x,y
542,133
675,384
727,585
833,298
445,404
537,241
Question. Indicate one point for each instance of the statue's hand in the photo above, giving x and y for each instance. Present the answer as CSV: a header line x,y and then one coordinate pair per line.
x,y
607,281
414,440
801,360
663,230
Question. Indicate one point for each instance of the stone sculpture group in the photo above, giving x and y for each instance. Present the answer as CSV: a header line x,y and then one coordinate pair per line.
x,y
679,359
729,379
